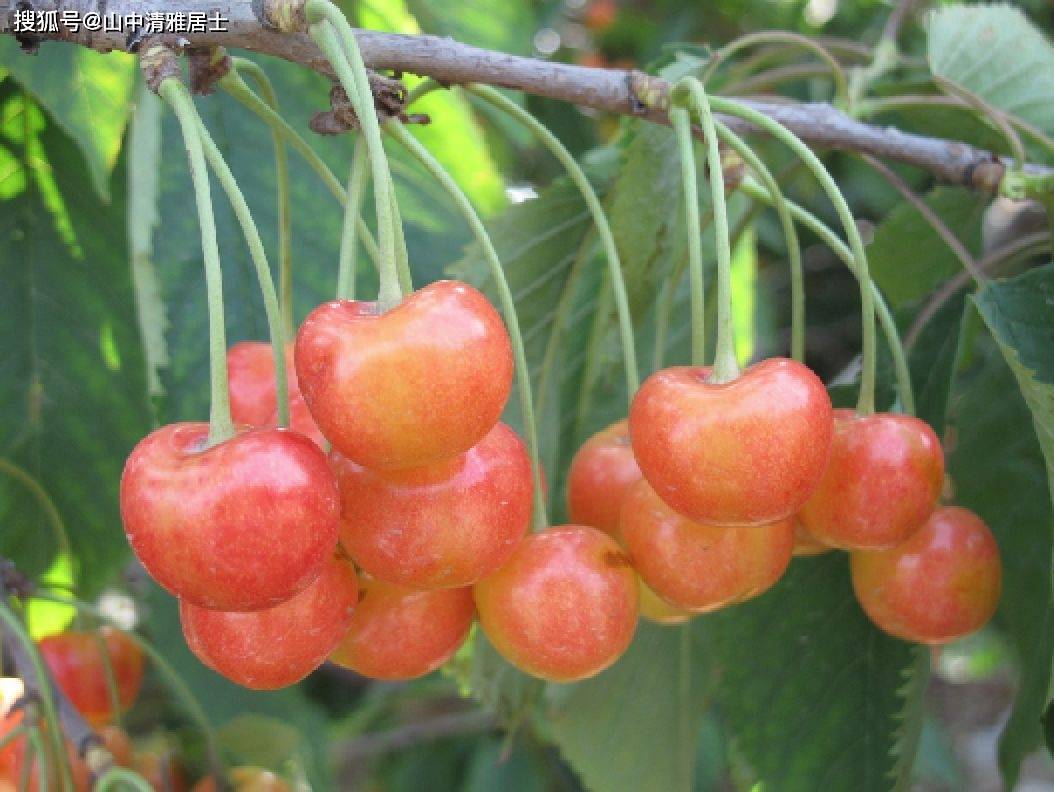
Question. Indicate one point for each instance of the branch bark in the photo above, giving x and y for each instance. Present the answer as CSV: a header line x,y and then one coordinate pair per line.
x,y
451,63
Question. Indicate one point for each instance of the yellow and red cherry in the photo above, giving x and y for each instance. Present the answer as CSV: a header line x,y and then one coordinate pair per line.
x,y
242,525
881,484
601,473
422,382
445,525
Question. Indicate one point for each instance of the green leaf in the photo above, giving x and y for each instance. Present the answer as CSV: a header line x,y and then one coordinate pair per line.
x,y
995,52
72,390
634,727
999,469
503,25
87,93
933,360
813,695
908,258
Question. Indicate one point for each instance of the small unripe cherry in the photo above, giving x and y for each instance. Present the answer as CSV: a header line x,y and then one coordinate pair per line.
x,y
445,525
399,633
941,584
564,607
745,452
277,647
655,609
884,477
601,473
700,567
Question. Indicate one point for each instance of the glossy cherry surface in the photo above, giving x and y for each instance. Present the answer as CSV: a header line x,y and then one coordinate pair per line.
x,y
601,473
700,567
422,382
565,605
279,646
746,452
240,526
882,482
445,525
941,584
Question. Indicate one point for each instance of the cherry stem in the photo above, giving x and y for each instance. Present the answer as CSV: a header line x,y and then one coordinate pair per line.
x,y
326,22
234,85
109,677
690,94
352,215
117,776
681,122
866,402
607,239
840,249
40,685
285,218
508,303
790,235
263,269
51,511
172,90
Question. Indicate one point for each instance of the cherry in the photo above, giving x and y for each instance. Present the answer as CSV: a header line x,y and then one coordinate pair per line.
x,y
699,567
655,609
76,662
885,475
805,544
565,605
399,633
240,526
941,584
422,382
279,646
445,525
746,452
250,371
161,769
601,473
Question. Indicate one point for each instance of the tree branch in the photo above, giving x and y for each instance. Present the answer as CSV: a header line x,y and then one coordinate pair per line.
x,y
450,62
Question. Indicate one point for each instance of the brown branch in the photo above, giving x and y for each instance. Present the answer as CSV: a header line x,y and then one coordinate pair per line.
x,y
450,62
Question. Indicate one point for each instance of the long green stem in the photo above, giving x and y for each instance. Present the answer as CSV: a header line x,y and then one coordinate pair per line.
x,y
221,427
866,403
691,93
352,215
840,249
51,511
607,239
234,85
790,235
117,776
402,255
681,121
13,626
285,218
263,269
112,691
507,302
36,743
326,21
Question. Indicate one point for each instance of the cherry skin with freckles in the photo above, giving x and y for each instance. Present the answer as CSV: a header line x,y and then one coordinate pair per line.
x,y
884,478
445,525
746,452
241,526
601,473
398,633
420,383
941,584
277,647
698,567
77,665
564,607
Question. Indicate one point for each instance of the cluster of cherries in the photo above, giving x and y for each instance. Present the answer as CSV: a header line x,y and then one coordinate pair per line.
x,y
379,554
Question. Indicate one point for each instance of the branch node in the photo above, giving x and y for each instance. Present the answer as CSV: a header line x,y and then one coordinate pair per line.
x,y
647,93
206,65
285,16
158,62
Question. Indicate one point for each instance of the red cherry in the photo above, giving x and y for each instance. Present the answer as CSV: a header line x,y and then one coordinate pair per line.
x,y
701,567
399,633
442,526
277,647
805,544
885,475
77,665
747,452
601,473
565,605
655,609
423,382
240,526
941,584
250,371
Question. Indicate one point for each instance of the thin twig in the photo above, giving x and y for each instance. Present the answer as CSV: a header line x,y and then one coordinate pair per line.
x,y
446,725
